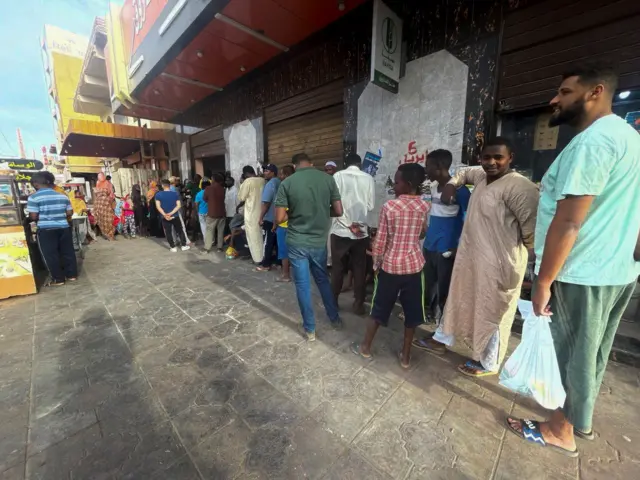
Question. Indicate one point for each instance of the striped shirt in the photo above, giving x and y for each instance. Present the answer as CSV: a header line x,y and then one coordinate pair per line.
x,y
51,207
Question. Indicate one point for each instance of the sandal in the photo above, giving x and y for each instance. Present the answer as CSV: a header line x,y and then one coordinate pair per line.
x,y
530,432
355,348
283,280
474,369
260,268
55,284
590,435
429,345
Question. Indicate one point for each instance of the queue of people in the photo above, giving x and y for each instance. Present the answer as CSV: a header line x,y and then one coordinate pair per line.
x,y
459,258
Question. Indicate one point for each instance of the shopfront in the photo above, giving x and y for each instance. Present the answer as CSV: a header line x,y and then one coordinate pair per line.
x,y
540,43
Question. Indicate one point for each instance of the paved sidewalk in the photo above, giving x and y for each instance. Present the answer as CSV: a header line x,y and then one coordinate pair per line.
x,y
184,366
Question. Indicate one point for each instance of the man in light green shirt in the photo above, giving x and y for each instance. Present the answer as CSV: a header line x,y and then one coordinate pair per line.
x,y
586,233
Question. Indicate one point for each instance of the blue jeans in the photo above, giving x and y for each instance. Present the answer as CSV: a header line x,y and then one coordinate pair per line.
x,y
302,261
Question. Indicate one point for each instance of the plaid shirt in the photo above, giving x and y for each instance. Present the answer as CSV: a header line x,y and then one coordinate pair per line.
x,y
398,240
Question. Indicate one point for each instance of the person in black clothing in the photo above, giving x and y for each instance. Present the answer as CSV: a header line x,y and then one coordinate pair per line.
x,y
139,211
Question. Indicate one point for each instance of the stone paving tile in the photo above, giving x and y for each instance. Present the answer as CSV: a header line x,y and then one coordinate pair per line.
x,y
203,374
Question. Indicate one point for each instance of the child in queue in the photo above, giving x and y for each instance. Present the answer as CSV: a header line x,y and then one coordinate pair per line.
x,y
281,233
398,261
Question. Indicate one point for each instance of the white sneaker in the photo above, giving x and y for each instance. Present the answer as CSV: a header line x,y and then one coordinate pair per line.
x,y
185,247
174,249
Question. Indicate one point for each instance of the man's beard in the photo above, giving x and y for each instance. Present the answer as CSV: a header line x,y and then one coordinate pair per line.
x,y
570,115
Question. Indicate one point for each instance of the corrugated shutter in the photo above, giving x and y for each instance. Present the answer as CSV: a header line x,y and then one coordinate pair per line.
x,y
545,40
209,149
312,122
208,143
319,134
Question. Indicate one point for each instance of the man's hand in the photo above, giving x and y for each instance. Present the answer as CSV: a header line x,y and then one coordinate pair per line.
x,y
275,227
260,222
167,217
540,300
356,229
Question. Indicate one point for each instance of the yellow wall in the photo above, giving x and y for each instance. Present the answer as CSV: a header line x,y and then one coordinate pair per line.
x,y
66,75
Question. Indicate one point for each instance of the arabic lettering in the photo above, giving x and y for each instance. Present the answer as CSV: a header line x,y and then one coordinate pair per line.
x,y
412,154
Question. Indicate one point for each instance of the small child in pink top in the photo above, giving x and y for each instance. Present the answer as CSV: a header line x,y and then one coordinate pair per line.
x,y
128,217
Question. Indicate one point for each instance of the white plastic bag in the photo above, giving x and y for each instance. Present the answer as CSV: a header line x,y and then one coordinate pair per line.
x,y
532,370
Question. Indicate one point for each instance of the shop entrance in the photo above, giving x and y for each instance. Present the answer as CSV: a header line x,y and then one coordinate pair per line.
x,y
311,123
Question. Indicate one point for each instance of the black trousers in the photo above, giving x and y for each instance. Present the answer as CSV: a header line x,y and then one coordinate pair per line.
x,y
176,224
437,275
56,248
345,253
269,243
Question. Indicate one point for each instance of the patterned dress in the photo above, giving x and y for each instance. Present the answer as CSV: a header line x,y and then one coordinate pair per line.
x,y
103,211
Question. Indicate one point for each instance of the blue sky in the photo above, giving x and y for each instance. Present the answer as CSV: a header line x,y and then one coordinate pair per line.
x,y
23,95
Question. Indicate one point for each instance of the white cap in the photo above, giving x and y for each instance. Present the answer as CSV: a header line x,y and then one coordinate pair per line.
x,y
331,164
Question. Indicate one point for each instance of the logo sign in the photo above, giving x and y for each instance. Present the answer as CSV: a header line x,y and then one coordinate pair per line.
x,y
20,164
137,18
386,54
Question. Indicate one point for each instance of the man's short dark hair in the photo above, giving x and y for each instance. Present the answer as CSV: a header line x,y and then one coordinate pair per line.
x,y
441,157
218,177
43,178
500,142
165,181
108,177
299,158
248,170
205,184
593,74
352,159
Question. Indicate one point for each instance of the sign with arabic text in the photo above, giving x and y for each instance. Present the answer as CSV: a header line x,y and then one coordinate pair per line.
x,y
20,164
386,49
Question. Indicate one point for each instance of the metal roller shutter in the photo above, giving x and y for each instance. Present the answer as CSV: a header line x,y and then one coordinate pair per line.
x,y
312,122
208,143
545,40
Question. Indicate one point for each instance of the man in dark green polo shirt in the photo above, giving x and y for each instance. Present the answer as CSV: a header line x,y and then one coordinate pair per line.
x,y
309,199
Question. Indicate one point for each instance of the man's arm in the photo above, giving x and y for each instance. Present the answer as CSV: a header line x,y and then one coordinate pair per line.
x,y
69,212
336,208
371,198
282,203
176,209
561,237
636,252
465,176
159,208
336,201
34,209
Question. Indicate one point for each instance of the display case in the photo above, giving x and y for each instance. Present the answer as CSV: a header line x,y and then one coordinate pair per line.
x,y
16,270
10,214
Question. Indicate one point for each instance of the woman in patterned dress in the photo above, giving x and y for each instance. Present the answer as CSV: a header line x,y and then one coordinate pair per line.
x,y
103,206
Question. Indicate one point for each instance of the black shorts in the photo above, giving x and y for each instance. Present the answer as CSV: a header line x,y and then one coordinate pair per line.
x,y
388,287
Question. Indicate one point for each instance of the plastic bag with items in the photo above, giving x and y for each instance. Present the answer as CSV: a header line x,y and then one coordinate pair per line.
x,y
532,369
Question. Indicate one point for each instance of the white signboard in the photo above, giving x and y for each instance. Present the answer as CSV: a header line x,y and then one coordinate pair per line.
x,y
386,49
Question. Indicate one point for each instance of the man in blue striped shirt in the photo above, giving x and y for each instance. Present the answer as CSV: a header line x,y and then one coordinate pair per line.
x,y
52,212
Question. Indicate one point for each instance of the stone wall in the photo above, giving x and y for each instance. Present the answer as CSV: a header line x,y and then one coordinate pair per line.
x,y
244,146
427,113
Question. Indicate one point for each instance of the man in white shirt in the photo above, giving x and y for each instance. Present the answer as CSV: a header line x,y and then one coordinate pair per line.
x,y
349,233
230,201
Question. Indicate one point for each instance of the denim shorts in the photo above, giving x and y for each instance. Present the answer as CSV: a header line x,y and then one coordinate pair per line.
x,y
283,251
410,289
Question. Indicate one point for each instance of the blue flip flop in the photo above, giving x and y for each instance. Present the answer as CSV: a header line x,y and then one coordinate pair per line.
x,y
530,432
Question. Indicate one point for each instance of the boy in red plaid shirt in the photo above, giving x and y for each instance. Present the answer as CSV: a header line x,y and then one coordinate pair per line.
x,y
398,261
